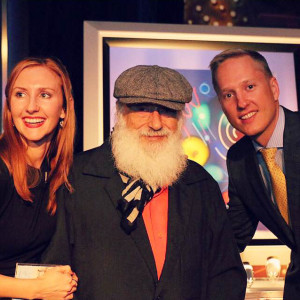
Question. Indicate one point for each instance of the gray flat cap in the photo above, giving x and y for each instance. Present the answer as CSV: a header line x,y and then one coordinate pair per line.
x,y
153,84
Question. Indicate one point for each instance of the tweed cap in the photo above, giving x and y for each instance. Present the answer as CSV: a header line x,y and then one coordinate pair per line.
x,y
153,84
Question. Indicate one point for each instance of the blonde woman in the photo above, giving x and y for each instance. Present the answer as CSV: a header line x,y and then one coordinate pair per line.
x,y
36,150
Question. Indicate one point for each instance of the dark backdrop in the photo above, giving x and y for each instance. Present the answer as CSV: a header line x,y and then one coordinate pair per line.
x,y
55,28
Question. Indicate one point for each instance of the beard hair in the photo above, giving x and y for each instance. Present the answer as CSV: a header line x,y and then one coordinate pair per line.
x,y
158,164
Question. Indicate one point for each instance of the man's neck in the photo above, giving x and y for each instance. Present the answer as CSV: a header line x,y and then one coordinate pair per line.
x,y
264,138
276,138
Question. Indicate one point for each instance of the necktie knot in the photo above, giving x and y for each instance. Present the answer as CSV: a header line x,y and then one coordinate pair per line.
x,y
269,154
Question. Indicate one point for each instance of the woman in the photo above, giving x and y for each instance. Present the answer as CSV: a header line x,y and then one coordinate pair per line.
x,y
36,150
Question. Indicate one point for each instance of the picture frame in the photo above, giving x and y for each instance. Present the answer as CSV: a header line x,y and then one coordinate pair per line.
x,y
112,47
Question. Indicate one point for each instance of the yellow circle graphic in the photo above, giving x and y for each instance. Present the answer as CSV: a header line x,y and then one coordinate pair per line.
x,y
196,149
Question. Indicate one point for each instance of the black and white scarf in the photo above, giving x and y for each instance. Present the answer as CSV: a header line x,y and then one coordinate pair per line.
x,y
135,196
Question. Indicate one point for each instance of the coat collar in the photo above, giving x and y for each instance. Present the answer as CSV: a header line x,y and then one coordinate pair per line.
x,y
100,163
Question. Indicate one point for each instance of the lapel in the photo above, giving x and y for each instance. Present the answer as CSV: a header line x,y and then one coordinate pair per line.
x,y
139,236
181,198
261,200
141,241
291,142
104,168
256,182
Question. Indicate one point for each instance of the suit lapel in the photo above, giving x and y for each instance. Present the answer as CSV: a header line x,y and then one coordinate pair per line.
x,y
256,181
291,142
141,240
271,216
180,203
114,186
179,206
139,236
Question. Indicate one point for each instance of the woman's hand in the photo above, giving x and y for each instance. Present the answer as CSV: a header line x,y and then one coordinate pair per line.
x,y
57,283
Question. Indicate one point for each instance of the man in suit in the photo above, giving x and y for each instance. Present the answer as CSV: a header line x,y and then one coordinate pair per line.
x,y
144,222
264,166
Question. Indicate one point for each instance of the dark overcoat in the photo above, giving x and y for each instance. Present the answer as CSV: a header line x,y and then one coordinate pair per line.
x,y
202,261
251,203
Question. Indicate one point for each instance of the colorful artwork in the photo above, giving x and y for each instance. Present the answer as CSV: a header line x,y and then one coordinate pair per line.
x,y
207,132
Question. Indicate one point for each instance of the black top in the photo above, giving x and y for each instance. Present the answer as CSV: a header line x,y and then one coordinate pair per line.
x,y
25,228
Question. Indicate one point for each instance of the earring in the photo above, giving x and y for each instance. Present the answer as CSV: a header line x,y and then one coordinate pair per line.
x,y
61,123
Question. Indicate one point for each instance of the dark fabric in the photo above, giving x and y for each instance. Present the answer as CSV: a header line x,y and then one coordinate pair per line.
x,y
250,202
202,261
26,228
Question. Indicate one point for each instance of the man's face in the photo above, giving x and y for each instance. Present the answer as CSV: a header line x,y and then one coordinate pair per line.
x,y
249,98
153,122
147,144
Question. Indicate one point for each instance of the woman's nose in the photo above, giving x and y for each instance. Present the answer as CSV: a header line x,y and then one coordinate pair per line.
x,y
33,105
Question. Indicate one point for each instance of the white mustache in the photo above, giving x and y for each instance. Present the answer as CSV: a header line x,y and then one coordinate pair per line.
x,y
162,132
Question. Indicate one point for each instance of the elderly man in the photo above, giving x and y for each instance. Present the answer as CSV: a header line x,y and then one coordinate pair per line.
x,y
144,222
264,166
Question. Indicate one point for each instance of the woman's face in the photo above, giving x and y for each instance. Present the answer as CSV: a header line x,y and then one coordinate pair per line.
x,y
37,104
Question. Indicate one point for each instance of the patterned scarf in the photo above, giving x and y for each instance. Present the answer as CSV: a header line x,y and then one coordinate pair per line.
x,y
135,196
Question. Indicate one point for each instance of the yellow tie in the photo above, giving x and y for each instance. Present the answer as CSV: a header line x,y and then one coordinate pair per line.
x,y
278,181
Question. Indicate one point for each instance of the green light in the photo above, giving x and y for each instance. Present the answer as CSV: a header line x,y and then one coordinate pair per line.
x,y
215,171
201,116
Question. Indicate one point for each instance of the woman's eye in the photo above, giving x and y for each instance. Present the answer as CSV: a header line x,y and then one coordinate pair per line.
x,y
20,94
45,95
250,86
227,96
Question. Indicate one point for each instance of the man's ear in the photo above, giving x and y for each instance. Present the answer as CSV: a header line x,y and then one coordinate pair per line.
x,y
275,88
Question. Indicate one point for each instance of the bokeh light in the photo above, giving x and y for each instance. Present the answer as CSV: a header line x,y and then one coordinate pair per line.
x,y
201,116
196,149
204,88
215,171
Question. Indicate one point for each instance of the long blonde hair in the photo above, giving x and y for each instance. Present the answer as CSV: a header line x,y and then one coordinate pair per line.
x,y
60,153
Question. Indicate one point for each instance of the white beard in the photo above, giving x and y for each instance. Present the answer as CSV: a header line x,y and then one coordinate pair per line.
x,y
158,164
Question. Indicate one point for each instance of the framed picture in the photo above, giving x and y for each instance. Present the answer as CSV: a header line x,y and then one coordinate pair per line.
x,y
111,48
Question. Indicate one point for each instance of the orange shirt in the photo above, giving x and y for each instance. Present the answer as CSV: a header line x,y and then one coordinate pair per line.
x,y
155,217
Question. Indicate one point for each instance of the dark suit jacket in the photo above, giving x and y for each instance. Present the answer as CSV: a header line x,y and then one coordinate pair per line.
x,y
202,260
250,203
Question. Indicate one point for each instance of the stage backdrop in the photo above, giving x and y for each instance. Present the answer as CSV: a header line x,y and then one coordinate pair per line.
x,y
111,48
